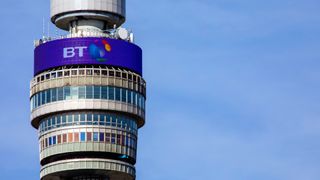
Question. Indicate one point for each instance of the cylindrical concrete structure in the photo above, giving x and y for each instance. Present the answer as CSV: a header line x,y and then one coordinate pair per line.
x,y
88,95
106,13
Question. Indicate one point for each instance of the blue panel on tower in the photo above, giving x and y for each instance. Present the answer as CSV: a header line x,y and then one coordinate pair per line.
x,y
88,51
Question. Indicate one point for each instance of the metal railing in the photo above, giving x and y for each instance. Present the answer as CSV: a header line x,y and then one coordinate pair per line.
x,y
81,33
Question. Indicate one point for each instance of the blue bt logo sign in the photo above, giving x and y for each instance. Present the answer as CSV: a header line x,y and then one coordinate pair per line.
x,y
99,53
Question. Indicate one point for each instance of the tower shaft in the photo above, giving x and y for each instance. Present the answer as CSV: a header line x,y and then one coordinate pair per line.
x,y
88,94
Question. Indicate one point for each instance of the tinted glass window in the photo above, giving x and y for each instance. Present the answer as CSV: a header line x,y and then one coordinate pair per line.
x,y
89,92
59,120
43,98
96,92
134,99
54,94
104,92
50,141
38,99
111,93
60,94
118,94
83,136
82,118
64,119
82,92
76,137
108,120
48,95
108,137
101,137
102,119
54,140
74,92
89,136
95,119
123,95
69,118
67,93
129,97
95,136
76,118
89,117
53,121
113,139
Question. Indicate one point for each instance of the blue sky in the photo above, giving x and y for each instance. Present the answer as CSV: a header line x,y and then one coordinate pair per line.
x,y
233,88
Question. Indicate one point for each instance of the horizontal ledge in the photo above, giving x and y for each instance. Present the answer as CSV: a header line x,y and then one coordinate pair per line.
x,y
87,104
112,168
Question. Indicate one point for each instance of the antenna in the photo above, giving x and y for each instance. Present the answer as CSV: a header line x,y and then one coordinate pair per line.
x,y
43,28
56,30
48,24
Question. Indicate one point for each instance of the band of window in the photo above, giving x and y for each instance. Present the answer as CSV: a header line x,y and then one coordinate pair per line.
x,y
88,92
123,139
89,76
88,118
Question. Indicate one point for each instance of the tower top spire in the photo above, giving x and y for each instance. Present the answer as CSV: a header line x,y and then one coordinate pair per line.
x,y
100,14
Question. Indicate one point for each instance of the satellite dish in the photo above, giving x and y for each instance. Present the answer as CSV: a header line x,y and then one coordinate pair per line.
x,y
123,34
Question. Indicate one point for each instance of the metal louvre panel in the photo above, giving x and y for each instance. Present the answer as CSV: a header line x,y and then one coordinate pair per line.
x,y
64,6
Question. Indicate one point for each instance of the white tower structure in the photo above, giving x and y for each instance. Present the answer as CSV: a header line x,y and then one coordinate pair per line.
x,y
88,95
